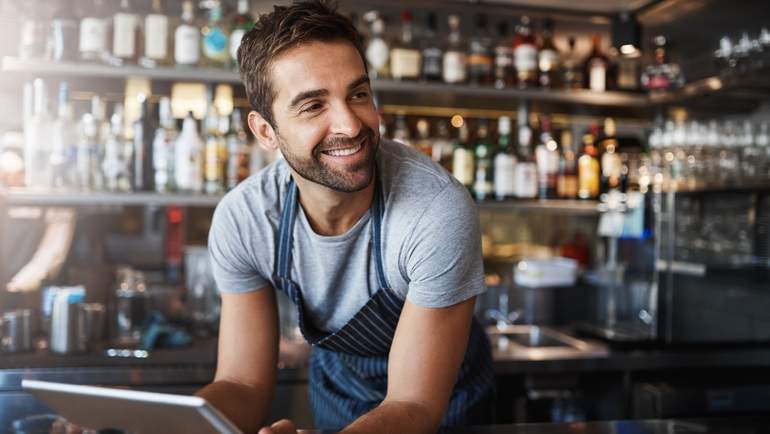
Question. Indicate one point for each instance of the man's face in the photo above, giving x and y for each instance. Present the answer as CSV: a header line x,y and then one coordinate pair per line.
x,y
325,120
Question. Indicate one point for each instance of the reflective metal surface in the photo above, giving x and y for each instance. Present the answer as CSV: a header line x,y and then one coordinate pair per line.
x,y
526,342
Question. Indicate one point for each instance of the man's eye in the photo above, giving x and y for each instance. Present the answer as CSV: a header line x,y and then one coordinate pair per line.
x,y
312,108
361,95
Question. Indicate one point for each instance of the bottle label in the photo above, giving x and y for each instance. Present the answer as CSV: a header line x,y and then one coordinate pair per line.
x,y
462,166
431,62
124,38
455,64
598,77
235,42
503,57
215,44
186,48
525,58
377,53
505,181
525,180
548,60
404,63
156,36
93,35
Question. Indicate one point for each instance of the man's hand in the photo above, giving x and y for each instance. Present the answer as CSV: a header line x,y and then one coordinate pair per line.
x,y
283,426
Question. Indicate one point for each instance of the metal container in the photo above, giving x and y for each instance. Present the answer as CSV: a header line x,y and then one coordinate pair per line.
x,y
132,304
16,331
94,317
68,328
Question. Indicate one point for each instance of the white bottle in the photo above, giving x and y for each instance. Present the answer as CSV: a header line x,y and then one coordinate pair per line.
x,y
37,149
188,157
163,148
156,29
125,30
187,38
505,164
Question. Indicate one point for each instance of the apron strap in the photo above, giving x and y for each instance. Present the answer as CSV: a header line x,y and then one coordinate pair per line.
x,y
285,234
377,212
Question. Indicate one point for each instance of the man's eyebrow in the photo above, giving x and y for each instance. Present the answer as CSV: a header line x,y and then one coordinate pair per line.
x,y
306,95
359,81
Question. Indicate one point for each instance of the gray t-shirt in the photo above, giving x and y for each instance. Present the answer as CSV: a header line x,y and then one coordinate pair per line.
x,y
430,235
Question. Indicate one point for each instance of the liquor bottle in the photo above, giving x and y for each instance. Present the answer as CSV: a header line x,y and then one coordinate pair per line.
x,y
87,153
212,162
662,74
484,155
37,149
628,73
464,160
377,50
443,148
595,70
455,58
525,172
95,152
548,58
215,39
588,167
163,148
156,37
115,165
611,163
64,33
525,55
480,57
187,38
64,146
188,151
238,152
143,176
242,23
547,158
567,180
423,142
405,59
33,40
94,28
125,34
432,53
571,69
505,75
505,161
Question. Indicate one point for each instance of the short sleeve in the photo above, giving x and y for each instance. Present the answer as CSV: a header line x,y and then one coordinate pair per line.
x,y
443,253
233,270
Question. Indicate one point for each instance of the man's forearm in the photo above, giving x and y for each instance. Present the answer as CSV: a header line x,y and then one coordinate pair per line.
x,y
245,406
397,417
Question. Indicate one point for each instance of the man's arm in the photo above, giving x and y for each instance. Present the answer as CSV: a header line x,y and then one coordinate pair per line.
x,y
247,358
428,349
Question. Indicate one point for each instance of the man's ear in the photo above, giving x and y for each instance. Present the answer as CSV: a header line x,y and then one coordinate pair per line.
x,y
263,131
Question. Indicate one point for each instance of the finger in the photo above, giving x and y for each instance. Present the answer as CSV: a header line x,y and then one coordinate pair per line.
x,y
266,430
284,426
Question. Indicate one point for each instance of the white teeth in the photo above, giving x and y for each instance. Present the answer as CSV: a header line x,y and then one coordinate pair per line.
x,y
343,152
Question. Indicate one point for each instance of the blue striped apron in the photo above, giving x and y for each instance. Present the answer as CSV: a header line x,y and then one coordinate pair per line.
x,y
348,368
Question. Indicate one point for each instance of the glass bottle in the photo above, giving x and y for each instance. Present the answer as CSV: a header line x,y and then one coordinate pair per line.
x,y
33,38
156,37
464,160
188,151
126,36
423,142
525,54
65,142
163,148
662,74
571,69
588,167
64,33
432,53
596,67
405,58
377,49
455,57
242,23
525,173
484,155
401,130
187,38
238,164
38,138
94,29
567,180
505,75
114,163
611,164
480,58
143,176
547,158
505,161
443,148
215,39
548,58
212,173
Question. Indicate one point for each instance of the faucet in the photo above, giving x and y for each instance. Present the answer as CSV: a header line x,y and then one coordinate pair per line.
x,y
502,317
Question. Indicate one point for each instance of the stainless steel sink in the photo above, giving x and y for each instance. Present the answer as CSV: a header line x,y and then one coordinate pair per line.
x,y
528,342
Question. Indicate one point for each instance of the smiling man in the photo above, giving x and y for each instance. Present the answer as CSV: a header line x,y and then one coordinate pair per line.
x,y
377,246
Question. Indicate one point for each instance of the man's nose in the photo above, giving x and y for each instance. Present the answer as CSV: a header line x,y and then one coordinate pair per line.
x,y
345,121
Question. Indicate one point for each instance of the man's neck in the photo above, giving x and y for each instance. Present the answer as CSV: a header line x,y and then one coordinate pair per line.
x,y
332,212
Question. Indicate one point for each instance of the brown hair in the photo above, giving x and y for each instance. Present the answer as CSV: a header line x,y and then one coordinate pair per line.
x,y
284,28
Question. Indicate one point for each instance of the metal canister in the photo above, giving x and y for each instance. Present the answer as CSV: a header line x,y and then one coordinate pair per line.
x,y
16,327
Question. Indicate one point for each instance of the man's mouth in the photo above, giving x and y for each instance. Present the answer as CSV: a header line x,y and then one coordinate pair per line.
x,y
344,152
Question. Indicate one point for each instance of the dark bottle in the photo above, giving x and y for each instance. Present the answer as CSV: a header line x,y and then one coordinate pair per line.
x,y
661,75
548,58
432,54
571,68
482,186
143,129
64,33
596,68
480,54
525,55
567,180
505,75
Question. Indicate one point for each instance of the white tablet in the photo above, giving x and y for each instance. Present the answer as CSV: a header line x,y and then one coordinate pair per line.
x,y
137,412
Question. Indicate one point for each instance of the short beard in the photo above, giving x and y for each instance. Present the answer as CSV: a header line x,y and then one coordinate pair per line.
x,y
313,169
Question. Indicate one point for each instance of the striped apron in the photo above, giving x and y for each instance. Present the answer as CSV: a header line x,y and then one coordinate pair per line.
x,y
348,368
